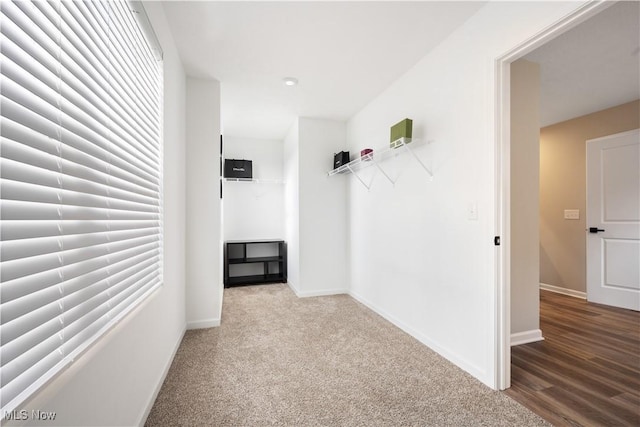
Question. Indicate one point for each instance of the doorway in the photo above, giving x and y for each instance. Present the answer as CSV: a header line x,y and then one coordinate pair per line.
x,y
504,180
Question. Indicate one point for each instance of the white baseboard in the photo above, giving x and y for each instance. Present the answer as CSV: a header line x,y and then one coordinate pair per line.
x,y
480,374
293,288
320,293
203,324
563,291
526,337
165,371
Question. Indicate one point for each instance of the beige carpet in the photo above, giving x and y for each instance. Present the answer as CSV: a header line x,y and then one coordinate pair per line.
x,y
324,361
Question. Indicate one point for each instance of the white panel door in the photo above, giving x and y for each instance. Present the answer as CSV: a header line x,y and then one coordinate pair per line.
x,y
613,220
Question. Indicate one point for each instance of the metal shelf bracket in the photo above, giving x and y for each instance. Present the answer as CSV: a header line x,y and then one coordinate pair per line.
x,y
355,173
377,158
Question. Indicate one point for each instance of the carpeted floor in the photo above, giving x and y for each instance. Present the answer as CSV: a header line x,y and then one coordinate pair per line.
x,y
324,361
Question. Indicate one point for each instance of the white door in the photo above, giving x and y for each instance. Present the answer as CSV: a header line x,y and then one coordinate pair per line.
x,y
613,220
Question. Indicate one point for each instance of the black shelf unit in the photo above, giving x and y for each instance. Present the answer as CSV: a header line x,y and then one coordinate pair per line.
x,y
257,261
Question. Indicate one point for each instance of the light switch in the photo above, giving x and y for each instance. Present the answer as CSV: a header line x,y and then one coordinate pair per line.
x,y
472,211
572,214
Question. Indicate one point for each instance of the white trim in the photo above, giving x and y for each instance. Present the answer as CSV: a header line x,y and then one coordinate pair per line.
x,y
563,291
163,376
323,293
307,294
503,177
293,288
142,18
526,337
444,352
203,324
613,135
502,309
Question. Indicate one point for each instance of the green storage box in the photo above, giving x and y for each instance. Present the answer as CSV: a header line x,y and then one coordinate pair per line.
x,y
401,133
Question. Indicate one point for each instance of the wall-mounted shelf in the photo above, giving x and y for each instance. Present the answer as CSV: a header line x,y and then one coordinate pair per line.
x,y
377,157
256,180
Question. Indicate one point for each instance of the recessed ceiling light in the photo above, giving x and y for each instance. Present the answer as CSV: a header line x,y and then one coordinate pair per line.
x,y
290,81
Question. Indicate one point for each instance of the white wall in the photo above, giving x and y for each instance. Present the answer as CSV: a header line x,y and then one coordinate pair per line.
x,y
204,209
315,208
115,382
525,202
291,205
322,209
255,210
417,257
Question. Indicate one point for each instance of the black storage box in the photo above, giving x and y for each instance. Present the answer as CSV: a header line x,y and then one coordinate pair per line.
x,y
234,168
341,158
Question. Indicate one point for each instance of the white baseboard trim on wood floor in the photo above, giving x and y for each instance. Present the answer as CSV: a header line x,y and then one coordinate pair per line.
x,y
563,291
526,337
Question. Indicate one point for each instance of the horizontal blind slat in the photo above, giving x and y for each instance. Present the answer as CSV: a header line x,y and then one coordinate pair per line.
x,y
41,306
95,273
49,326
17,229
122,77
78,343
127,290
100,278
24,145
81,70
18,288
20,210
82,304
46,191
30,29
43,118
26,248
41,172
38,372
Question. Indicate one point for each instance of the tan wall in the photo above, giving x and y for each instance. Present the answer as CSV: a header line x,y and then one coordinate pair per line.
x,y
563,186
525,150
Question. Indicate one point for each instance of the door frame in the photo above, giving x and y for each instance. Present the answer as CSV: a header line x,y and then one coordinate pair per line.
x,y
503,178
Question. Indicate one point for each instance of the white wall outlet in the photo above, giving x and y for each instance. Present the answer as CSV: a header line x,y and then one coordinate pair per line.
x,y
572,214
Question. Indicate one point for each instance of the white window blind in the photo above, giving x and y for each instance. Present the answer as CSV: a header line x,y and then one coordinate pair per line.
x,y
80,182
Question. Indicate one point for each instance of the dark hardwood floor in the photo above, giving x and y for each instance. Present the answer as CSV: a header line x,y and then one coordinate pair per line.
x,y
587,370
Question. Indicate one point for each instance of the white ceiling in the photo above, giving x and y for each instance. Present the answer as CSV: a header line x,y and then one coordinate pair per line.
x,y
343,53
346,53
591,67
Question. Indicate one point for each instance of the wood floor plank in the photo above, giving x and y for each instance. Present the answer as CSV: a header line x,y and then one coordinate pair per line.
x,y
596,334
555,412
566,374
587,410
629,401
528,379
587,370
561,345
541,405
